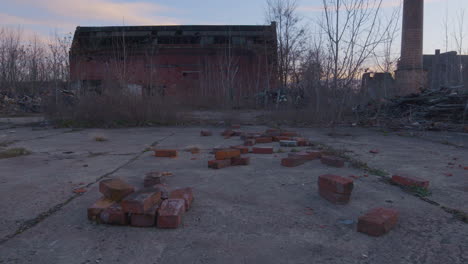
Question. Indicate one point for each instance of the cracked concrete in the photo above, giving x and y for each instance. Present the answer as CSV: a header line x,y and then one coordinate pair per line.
x,y
262,213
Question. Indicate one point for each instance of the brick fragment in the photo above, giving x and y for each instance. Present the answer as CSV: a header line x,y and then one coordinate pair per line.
x,y
262,150
335,184
114,215
147,219
249,142
292,162
115,189
332,161
170,214
263,140
152,178
336,198
227,154
410,181
240,161
219,164
378,221
186,194
165,153
206,133
100,205
242,149
142,200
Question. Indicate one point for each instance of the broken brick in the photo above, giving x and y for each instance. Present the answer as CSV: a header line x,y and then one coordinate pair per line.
x,y
114,215
240,161
333,161
410,181
242,149
263,140
142,200
378,221
227,154
264,150
219,164
336,198
152,178
249,142
147,219
165,153
186,194
115,189
335,184
100,205
292,162
170,214
205,133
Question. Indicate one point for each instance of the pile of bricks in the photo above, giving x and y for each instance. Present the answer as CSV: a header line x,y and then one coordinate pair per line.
x,y
152,205
229,157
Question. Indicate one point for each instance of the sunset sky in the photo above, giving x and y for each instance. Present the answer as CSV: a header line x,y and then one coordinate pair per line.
x,y
46,16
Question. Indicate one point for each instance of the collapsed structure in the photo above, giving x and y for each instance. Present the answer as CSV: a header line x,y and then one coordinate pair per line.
x,y
217,62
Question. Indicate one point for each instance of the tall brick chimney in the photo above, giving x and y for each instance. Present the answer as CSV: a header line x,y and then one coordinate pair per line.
x,y
410,75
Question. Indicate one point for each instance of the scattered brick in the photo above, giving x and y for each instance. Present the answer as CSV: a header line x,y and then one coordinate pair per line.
x,y
242,149
292,162
114,215
227,154
186,194
378,221
289,134
165,153
264,150
336,198
263,140
147,219
205,133
335,184
249,142
139,202
302,142
410,181
170,213
332,161
288,143
219,164
100,205
279,138
115,189
307,155
245,136
227,133
193,150
237,133
152,178
240,161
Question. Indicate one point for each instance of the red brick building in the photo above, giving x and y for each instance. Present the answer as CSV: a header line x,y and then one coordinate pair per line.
x,y
213,62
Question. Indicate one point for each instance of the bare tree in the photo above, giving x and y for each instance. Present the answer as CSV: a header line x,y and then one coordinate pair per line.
x,y
459,37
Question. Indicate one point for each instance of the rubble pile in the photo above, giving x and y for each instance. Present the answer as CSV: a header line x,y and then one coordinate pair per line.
x,y
10,104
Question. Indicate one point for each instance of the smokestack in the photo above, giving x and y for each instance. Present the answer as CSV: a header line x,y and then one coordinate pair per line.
x,y
410,75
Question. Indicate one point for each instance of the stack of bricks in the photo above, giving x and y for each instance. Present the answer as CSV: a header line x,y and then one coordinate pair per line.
x,y
150,206
335,189
229,157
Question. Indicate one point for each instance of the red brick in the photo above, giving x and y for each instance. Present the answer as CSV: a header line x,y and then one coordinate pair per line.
x,y
336,198
263,140
142,200
289,134
250,135
205,133
163,189
279,138
378,221
227,133
241,161
147,219
152,178
115,189
335,183
186,194
332,161
302,142
100,205
265,150
219,164
171,212
307,155
292,161
410,181
242,149
237,133
114,215
227,154
249,142
165,153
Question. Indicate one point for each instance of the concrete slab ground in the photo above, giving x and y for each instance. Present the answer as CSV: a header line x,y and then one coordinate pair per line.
x,y
262,213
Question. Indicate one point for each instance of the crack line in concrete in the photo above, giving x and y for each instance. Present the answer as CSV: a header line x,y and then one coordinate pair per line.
x,y
42,216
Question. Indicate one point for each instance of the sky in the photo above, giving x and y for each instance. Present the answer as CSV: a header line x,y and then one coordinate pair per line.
x,y
44,17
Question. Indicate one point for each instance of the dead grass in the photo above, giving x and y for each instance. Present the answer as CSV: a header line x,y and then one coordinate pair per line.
x,y
13,152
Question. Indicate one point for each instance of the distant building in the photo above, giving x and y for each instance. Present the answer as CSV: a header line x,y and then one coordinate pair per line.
x,y
183,61
446,70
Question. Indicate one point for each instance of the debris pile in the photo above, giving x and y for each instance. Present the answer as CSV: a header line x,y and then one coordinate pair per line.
x,y
10,104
